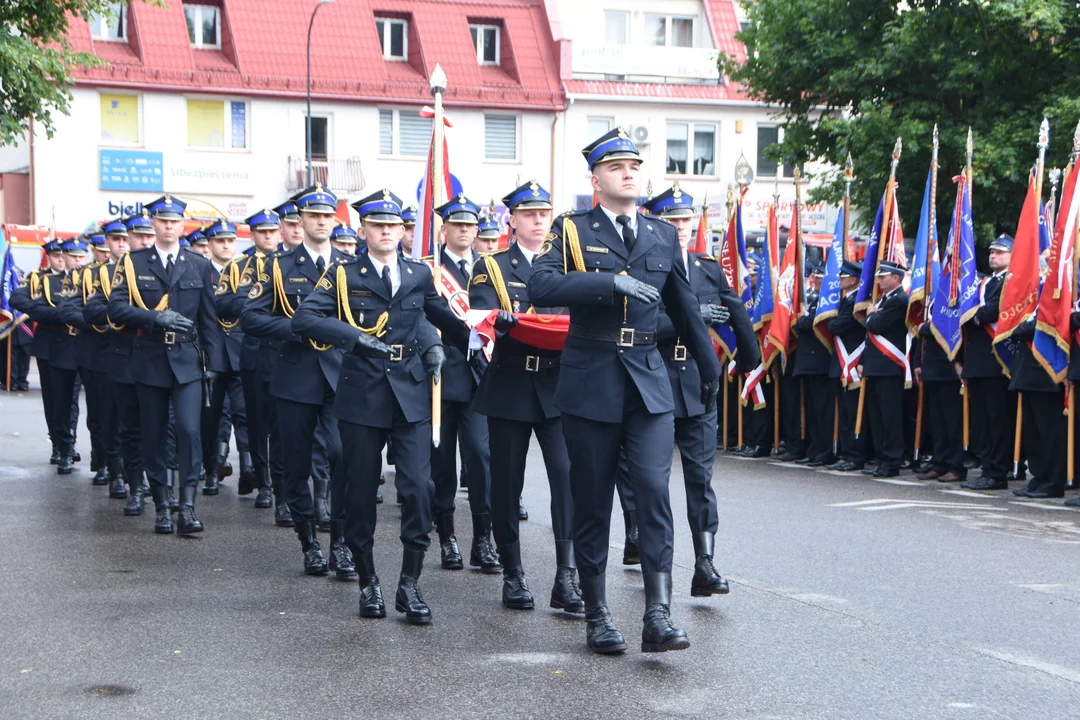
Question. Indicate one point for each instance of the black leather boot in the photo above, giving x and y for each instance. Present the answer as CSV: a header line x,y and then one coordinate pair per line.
x,y
211,483
706,580
54,459
282,514
134,505
247,470
314,561
601,634
321,496
515,590
565,593
658,634
451,555
341,559
371,599
265,498
409,600
170,492
117,488
187,523
630,553
64,466
483,553
101,477
163,524
523,514
75,456
224,467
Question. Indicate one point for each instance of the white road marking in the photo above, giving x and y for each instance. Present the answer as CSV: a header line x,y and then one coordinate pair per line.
x,y
894,504
1057,671
894,481
968,493
1042,506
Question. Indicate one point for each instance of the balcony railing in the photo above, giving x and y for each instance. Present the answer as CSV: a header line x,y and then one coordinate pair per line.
x,y
646,61
343,176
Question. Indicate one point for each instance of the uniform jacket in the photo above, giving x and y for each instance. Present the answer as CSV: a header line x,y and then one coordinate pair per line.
x,y
889,321
256,353
1074,349
23,300
847,329
49,301
191,293
93,344
369,386
813,358
120,339
299,369
507,389
1027,374
978,355
931,357
594,372
231,334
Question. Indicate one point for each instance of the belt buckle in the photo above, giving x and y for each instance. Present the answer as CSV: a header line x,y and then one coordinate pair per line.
x,y
170,337
72,330
532,363
626,337
680,353
397,352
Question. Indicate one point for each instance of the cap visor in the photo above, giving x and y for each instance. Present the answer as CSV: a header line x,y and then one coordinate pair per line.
x,y
319,209
383,218
463,219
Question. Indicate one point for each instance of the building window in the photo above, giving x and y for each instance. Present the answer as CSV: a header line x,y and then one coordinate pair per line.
x,y
217,124
320,138
616,26
767,167
386,132
110,25
120,120
203,26
414,134
486,40
669,30
691,148
500,137
393,38
598,127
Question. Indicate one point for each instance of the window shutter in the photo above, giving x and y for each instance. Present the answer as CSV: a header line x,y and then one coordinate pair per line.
x,y
500,137
386,132
415,133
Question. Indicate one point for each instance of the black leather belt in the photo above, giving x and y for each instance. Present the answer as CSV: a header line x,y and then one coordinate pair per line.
x,y
678,353
397,352
623,337
169,337
530,363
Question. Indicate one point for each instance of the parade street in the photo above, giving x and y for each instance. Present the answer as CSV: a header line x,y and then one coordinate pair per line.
x,y
851,598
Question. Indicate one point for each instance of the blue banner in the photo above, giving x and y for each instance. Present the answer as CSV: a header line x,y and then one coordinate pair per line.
x,y
139,170
831,294
864,297
956,297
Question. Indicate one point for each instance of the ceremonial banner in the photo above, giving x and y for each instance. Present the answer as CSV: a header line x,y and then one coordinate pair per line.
x,y
926,253
701,242
831,294
788,301
956,296
765,293
9,318
888,244
732,258
424,235
1020,289
865,296
1051,343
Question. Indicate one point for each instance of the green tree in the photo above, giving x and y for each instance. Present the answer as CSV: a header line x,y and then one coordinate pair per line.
x,y
36,61
886,69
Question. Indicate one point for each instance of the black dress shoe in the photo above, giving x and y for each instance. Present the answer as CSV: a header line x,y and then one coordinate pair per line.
x,y
75,456
134,504
707,582
1073,502
341,558
211,486
282,514
378,497
265,498
186,521
448,545
371,599
101,477
845,466
658,633
907,465
601,635
65,467
408,599
54,459
756,451
630,554
314,560
985,483
523,514
885,473
515,590
803,461
817,463
163,524
117,487
1037,494
869,470
483,553
788,456
565,593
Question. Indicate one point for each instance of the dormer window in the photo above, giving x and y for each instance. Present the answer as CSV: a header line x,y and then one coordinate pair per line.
x,y
203,26
393,38
486,40
111,24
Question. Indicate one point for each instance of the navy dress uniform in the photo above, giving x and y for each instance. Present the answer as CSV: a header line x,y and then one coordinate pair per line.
x,y
613,388
167,295
460,421
812,363
851,335
884,370
1045,428
302,384
517,395
344,238
378,315
944,409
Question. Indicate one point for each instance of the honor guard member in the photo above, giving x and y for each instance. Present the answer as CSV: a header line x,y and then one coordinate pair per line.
x,y
460,219
256,362
304,377
1044,429
610,266
884,367
812,363
165,292
695,427
850,340
991,407
344,239
1073,376
944,408
98,247
408,219
517,395
374,307
487,235
292,232
198,241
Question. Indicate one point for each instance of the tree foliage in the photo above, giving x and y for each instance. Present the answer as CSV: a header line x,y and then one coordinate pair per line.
x,y
883,70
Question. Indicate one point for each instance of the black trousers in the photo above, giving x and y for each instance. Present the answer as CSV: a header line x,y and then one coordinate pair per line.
x,y
154,405
594,459
296,426
274,456
45,376
943,410
94,416
732,408
992,411
62,390
509,442
460,421
20,360
757,424
234,414
109,419
320,464
258,415
852,449
885,406
820,395
129,425
1045,437
791,432
212,416
362,460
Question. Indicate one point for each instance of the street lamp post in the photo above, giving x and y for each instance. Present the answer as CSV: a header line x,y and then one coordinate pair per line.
x,y
307,120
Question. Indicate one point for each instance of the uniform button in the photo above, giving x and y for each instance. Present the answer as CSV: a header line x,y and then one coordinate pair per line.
x,y
621,352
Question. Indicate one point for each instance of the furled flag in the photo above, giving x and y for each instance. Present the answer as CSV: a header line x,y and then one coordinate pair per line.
x,y
790,295
956,294
865,296
424,236
701,242
926,258
1051,343
9,281
831,294
886,243
732,258
1020,289
765,293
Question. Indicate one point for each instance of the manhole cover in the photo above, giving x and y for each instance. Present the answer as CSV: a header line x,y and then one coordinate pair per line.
x,y
110,690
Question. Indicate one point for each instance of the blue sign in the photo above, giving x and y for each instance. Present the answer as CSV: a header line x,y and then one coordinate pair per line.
x,y
131,170
239,124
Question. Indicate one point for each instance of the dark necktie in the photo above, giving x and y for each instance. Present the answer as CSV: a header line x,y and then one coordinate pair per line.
x,y
387,281
464,269
320,265
168,266
627,231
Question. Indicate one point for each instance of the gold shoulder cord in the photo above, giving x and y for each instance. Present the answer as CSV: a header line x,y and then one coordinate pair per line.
x,y
106,286
345,312
233,280
286,308
495,273
135,297
88,291
570,238
35,284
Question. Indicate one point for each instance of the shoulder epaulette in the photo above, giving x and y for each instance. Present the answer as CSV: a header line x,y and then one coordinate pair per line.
x,y
500,251
140,250
410,258
710,258
428,258
347,260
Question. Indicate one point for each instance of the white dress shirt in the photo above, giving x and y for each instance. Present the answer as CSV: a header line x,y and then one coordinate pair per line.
x,y
395,272
315,256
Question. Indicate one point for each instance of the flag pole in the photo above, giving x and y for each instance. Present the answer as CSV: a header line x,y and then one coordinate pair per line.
x,y
970,172
727,407
931,245
438,87
1070,452
849,177
730,206
889,198
776,373
800,281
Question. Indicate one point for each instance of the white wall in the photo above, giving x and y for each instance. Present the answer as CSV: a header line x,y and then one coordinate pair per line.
x,y
14,157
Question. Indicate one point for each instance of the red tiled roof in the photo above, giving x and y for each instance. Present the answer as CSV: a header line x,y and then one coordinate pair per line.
x,y
267,41
724,23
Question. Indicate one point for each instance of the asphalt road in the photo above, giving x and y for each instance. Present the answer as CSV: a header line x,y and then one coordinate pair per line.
x,y
851,598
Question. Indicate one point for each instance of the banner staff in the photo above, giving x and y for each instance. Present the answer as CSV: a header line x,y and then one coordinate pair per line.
x,y
438,87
